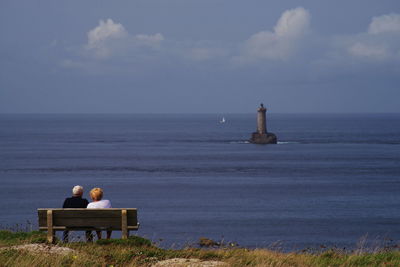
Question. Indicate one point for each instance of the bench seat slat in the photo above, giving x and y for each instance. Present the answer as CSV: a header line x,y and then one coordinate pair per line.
x,y
61,228
73,217
88,213
95,222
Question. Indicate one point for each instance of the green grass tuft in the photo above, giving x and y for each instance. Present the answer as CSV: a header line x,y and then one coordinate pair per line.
x,y
135,241
8,237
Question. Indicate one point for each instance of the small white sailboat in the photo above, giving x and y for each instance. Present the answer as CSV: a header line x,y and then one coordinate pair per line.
x,y
222,120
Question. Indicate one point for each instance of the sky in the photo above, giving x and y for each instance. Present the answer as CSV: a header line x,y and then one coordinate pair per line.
x,y
199,56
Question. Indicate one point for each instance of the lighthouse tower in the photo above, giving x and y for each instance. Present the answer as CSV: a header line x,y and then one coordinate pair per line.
x,y
261,120
261,136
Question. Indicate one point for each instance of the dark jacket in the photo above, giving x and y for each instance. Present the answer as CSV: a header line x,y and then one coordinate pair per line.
x,y
75,202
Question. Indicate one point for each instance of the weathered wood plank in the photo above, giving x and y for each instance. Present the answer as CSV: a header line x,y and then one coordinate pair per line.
x,y
77,209
88,219
50,231
96,222
55,228
124,224
88,212
82,228
131,215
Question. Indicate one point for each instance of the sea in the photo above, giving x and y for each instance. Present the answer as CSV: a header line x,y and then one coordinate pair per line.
x,y
333,180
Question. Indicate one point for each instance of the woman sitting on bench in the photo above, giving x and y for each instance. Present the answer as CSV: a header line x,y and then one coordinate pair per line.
x,y
96,194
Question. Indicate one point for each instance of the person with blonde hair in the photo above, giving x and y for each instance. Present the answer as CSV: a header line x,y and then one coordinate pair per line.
x,y
96,194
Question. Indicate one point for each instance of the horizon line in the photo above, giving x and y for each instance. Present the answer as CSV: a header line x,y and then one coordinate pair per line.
x,y
191,113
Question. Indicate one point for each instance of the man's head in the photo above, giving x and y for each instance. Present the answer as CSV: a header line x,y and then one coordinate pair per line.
x,y
77,190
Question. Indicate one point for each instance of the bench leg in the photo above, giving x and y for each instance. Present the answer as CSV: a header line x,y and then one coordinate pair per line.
x,y
89,236
109,234
65,236
124,226
50,236
50,230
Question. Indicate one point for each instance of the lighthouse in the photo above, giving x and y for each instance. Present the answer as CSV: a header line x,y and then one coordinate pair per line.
x,y
262,136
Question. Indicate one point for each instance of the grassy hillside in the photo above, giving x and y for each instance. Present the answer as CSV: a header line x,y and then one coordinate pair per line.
x,y
137,251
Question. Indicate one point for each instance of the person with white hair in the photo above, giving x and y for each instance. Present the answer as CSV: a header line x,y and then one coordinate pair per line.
x,y
76,201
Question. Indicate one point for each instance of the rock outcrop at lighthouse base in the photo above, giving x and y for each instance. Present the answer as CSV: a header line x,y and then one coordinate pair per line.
x,y
265,138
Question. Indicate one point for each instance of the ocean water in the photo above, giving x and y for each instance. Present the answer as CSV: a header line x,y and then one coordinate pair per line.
x,y
331,180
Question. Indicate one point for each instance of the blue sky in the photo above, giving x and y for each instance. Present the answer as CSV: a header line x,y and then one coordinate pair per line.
x,y
208,56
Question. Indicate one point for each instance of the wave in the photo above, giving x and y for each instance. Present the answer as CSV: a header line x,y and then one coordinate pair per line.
x,y
243,171
137,169
279,142
95,141
287,142
219,141
239,142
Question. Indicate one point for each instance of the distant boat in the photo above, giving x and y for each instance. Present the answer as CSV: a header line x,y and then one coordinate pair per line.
x,y
222,120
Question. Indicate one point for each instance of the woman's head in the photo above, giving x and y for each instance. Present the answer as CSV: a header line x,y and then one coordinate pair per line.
x,y
96,194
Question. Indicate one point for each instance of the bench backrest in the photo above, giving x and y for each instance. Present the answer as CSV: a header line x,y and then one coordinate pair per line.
x,y
113,219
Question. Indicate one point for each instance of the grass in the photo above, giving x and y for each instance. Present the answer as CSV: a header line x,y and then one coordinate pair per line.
x,y
13,238
137,251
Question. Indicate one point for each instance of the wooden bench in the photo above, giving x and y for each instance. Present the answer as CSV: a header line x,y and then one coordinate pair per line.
x,y
52,220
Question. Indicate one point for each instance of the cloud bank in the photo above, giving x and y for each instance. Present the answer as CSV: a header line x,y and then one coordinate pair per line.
x,y
289,44
280,43
386,23
381,42
110,38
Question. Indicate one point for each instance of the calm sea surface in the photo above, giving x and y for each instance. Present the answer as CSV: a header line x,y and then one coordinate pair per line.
x,y
331,180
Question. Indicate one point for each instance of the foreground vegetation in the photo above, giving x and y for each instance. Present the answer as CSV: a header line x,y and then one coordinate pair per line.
x,y
137,251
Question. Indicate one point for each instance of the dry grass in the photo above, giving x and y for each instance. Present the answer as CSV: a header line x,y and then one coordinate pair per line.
x,y
139,252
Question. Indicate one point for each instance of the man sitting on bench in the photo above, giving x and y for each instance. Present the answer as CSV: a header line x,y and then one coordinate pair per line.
x,y
76,201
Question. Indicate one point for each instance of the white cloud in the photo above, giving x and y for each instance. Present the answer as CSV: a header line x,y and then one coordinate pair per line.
x,y
104,31
280,44
149,40
111,39
369,51
381,41
288,44
293,23
365,54
99,38
385,23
